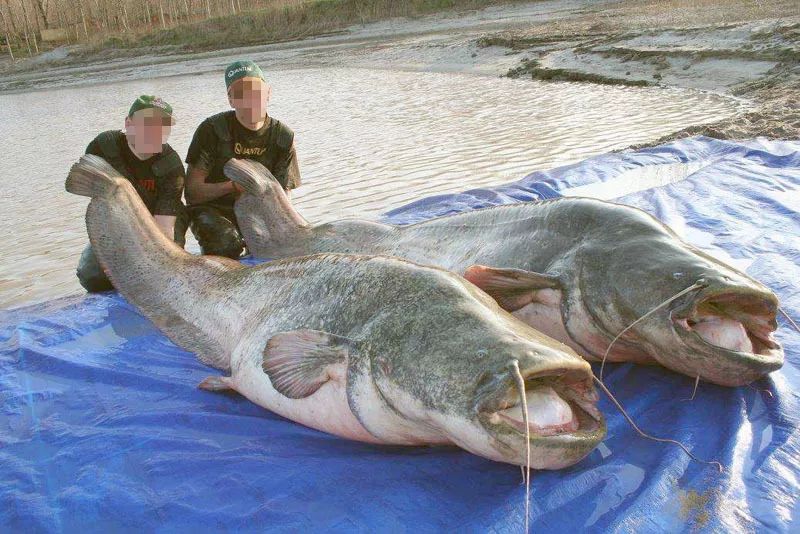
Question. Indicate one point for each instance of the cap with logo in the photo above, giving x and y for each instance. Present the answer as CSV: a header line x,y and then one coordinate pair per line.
x,y
242,69
151,102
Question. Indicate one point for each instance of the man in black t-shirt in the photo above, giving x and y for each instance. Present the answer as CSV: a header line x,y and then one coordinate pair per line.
x,y
142,155
247,132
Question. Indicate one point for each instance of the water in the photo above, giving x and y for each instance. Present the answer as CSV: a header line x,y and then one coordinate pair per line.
x,y
368,141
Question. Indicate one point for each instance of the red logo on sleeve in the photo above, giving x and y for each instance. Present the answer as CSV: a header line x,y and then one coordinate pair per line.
x,y
148,184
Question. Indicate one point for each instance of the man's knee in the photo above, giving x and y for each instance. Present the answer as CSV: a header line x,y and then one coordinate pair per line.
x,y
227,243
216,234
90,273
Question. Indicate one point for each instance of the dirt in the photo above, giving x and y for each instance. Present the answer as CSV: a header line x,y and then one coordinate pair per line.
x,y
744,49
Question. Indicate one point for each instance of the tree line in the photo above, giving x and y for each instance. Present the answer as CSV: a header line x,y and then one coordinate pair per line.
x,y
27,25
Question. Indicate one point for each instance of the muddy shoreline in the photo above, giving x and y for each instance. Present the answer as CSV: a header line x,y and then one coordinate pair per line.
x,y
729,47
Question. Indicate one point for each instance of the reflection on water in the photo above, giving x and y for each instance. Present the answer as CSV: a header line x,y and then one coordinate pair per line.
x,y
368,141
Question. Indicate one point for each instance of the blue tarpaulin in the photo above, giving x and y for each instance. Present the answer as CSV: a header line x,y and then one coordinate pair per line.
x,y
103,428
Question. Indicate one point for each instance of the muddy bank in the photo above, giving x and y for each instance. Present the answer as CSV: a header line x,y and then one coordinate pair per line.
x,y
444,41
776,115
744,49
734,47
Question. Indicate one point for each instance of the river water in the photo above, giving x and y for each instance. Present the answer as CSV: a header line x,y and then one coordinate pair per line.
x,y
367,140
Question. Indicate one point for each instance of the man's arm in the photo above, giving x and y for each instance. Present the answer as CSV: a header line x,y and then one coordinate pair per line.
x,y
94,148
168,201
200,159
166,223
287,171
198,191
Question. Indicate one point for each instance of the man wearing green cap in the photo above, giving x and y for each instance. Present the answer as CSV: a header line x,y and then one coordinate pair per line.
x,y
246,132
141,154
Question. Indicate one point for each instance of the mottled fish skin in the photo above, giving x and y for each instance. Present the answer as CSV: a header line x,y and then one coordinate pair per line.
x,y
370,348
608,265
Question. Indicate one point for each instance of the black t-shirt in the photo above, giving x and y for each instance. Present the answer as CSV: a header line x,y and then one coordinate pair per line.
x,y
272,145
161,195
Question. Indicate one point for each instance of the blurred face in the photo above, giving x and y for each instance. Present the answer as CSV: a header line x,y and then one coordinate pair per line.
x,y
249,97
147,130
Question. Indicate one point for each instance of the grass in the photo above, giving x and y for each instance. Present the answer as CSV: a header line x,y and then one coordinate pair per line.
x,y
531,68
286,20
772,54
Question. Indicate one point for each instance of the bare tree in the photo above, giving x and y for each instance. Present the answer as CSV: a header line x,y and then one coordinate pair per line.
x,y
29,34
83,19
7,33
41,5
161,8
24,21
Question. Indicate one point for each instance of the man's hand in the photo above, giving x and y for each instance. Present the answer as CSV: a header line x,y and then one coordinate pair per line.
x,y
199,192
166,223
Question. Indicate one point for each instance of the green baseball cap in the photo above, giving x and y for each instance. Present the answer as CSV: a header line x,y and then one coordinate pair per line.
x,y
151,102
242,69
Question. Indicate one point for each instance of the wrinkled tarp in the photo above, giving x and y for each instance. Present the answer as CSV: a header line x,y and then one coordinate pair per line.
x,y
103,427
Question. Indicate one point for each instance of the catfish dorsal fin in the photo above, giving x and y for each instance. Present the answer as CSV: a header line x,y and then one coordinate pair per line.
x,y
299,362
511,288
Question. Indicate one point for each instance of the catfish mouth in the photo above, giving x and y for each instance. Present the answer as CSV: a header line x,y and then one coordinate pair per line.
x,y
561,406
737,328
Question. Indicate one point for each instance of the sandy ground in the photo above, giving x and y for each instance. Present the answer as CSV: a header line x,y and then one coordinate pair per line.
x,y
745,49
446,42
748,49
